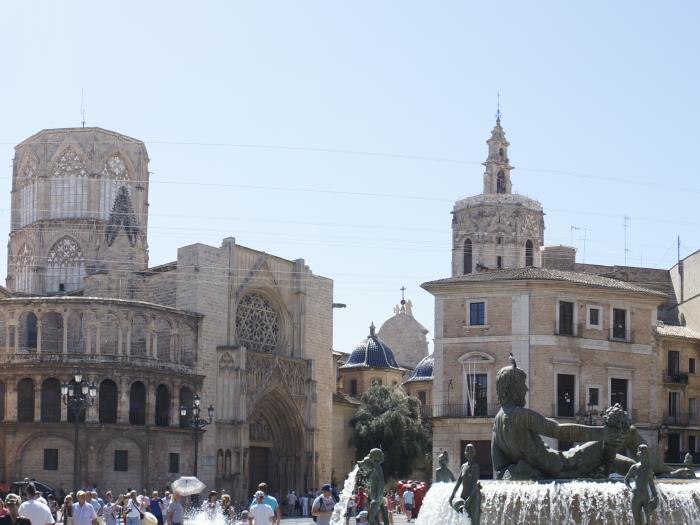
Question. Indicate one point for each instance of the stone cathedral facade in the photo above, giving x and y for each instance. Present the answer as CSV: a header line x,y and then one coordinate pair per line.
x,y
249,332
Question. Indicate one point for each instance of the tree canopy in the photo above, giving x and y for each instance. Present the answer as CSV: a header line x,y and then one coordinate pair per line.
x,y
390,419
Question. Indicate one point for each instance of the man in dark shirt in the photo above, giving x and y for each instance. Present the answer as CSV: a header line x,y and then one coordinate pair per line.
x,y
12,502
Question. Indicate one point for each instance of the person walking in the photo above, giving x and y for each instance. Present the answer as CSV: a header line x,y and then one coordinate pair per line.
x,y
83,512
322,508
176,512
38,513
155,506
260,513
408,498
12,502
133,510
271,501
67,510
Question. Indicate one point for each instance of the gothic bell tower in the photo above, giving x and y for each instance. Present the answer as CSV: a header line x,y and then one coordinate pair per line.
x,y
498,168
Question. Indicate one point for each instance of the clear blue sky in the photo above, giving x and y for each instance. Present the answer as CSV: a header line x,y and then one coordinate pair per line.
x,y
599,101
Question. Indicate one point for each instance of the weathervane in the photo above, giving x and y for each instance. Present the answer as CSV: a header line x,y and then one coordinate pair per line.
x,y
498,106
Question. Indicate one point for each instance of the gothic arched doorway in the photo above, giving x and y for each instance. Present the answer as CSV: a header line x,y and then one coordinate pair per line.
x,y
277,453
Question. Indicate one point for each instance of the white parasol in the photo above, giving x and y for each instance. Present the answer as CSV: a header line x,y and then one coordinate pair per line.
x,y
187,486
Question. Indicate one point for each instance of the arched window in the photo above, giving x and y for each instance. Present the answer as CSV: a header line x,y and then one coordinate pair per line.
x,y
219,463
227,463
162,406
529,254
24,270
51,401
69,186
108,401
137,404
114,175
188,345
76,341
186,400
28,329
81,413
139,333
65,266
52,333
500,153
163,333
25,401
468,256
2,401
109,335
501,183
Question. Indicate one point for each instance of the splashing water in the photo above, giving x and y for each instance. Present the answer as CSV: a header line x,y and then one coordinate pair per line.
x,y
196,516
338,517
564,503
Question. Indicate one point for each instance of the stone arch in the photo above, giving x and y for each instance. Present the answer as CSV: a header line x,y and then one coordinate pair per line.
x,y
74,334
137,403
51,400
186,399
25,400
52,333
284,464
162,406
108,401
219,463
109,334
164,339
28,332
65,266
260,321
24,269
68,183
227,463
29,452
501,182
139,335
136,456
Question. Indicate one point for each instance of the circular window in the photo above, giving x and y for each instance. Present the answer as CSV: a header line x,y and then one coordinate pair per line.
x,y
257,324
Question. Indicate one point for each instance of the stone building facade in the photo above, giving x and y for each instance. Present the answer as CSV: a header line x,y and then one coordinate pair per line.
x,y
588,336
249,332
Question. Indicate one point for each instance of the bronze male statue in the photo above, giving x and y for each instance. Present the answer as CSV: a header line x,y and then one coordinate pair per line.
x,y
443,473
644,496
377,509
469,501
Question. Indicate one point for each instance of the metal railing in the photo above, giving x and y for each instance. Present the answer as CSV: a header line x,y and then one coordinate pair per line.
x,y
575,330
620,335
675,376
49,359
679,418
460,410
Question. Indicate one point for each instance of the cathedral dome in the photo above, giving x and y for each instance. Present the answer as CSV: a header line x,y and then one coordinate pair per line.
x,y
372,353
423,371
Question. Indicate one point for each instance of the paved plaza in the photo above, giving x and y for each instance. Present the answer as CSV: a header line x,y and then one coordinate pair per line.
x,y
398,518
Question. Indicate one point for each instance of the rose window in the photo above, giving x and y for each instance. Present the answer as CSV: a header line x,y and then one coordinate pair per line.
x,y
257,324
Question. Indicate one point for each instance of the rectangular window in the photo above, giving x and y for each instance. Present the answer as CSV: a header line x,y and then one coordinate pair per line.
x,y
566,318
674,362
692,444
692,410
619,324
674,404
593,394
353,387
50,459
618,392
565,395
594,317
174,463
422,397
499,262
692,366
477,313
477,391
121,461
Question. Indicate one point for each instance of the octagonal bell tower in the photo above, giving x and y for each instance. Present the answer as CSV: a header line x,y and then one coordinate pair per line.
x,y
79,213
497,229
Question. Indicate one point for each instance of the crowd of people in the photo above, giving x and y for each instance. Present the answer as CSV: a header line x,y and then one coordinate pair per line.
x,y
86,507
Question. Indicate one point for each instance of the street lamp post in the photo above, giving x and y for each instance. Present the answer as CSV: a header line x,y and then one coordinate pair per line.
x,y
77,397
197,423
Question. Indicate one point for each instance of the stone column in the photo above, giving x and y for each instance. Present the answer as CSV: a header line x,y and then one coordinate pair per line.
x,y
150,402
123,406
37,398
175,404
38,335
11,398
65,333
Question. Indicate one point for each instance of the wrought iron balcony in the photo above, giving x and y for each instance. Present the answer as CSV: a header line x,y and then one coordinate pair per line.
x,y
679,418
460,410
676,377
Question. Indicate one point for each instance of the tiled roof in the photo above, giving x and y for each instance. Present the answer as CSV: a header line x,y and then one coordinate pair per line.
x,y
544,274
372,353
423,370
677,331
344,398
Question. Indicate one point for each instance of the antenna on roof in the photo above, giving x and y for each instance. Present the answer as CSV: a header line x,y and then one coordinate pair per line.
x,y
82,104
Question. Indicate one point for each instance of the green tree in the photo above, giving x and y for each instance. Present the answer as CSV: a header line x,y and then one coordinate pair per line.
x,y
390,419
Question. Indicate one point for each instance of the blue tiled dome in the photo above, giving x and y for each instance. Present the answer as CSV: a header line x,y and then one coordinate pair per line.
x,y
372,353
423,370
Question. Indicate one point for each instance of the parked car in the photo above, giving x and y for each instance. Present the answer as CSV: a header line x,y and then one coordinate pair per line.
x,y
18,488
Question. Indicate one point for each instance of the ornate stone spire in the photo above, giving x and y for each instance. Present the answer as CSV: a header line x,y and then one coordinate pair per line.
x,y
498,168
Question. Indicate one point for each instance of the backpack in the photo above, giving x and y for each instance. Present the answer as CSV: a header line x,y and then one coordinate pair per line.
x,y
321,507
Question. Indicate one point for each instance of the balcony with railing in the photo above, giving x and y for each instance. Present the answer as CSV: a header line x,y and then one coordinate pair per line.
x,y
620,335
568,329
460,410
679,418
675,377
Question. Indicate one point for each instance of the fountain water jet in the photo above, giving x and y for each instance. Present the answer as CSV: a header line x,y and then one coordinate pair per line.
x,y
339,509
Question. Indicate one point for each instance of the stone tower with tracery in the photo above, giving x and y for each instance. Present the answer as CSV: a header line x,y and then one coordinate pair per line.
x,y
79,213
497,229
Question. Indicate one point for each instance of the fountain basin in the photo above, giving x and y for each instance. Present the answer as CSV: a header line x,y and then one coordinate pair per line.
x,y
564,502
